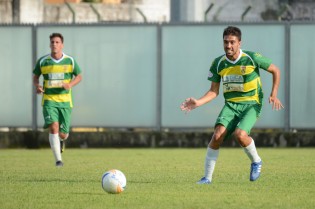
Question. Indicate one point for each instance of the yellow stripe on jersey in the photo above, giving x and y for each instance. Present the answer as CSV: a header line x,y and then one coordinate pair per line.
x,y
56,69
237,70
58,97
245,99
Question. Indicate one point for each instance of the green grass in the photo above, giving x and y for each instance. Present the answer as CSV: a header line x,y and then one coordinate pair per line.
x,y
156,178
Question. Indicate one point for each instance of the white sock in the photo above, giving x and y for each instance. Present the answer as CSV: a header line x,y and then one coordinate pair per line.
x,y
210,161
251,152
55,146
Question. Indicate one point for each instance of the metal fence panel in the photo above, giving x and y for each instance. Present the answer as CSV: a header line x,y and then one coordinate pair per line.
x,y
119,65
15,77
122,65
302,86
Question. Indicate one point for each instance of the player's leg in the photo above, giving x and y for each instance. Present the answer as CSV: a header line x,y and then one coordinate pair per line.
x,y
54,142
222,130
51,122
213,153
248,144
64,120
247,121
63,137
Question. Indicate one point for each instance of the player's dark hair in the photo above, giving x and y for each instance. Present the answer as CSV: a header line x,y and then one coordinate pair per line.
x,y
234,31
53,35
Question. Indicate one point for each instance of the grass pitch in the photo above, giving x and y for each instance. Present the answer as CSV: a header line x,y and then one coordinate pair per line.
x,y
156,178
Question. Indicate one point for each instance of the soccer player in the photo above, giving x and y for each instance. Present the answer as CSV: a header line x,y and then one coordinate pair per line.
x,y
238,70
60,73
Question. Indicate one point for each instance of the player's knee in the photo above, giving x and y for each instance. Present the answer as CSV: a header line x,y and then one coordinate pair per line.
x,y
241,136
217,137
238,134
54,128
64,136
216,141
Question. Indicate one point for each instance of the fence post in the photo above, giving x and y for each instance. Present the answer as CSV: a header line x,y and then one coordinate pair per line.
x,y
287,77
34,95
245,12
72,11
159,78
96,12
207,11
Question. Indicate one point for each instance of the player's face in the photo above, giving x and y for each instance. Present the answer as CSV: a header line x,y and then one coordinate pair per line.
x,y
232,46
56,45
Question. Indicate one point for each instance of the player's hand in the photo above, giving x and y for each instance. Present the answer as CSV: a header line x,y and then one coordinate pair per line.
x,y
66,86
39,89
276,103
189,104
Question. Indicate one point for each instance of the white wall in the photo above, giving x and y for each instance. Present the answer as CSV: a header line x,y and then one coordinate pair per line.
x,y
224,10
31,11
35,11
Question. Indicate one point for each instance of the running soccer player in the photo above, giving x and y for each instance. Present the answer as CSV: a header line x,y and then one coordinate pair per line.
x,y
238,70
58,70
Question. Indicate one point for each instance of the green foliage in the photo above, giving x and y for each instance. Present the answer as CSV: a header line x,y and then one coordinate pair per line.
x,y
156,178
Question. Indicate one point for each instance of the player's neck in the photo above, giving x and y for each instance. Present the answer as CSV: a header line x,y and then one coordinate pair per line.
x,y
56,56
235,56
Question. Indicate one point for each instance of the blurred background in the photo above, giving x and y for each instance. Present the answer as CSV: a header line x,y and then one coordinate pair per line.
x,y
142,58
95,11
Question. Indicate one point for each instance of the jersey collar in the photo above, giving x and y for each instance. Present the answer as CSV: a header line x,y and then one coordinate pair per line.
x,y
235,61
57,61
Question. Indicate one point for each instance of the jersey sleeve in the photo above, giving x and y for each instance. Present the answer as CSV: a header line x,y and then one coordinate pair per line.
x,y
36,70
213,74
261,61
76,68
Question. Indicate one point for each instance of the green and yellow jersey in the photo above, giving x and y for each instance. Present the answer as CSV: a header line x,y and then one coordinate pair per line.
x,y
55,73
240,78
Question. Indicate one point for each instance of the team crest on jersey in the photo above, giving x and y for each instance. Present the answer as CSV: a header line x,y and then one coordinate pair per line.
x,y
243,69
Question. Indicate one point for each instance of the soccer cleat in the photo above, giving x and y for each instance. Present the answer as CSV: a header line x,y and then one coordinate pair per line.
x,y
255,169
62,146
59,163
204,180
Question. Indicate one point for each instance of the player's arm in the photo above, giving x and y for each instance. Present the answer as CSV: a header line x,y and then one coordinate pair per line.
x,y
77,79
39,88
273,99
192,103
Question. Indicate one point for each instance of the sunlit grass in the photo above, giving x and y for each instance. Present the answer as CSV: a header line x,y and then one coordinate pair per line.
x,y
156,178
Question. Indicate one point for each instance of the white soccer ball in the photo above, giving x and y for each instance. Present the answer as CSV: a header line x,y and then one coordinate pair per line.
x,y
114,181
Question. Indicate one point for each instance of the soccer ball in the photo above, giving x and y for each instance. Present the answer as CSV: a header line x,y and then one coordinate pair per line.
x,y
114,181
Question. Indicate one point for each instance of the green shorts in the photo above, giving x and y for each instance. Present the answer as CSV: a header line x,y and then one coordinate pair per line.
x,y
60,115
236,115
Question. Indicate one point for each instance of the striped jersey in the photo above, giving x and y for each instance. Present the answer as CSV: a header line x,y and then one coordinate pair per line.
x,y
55,73
240,78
